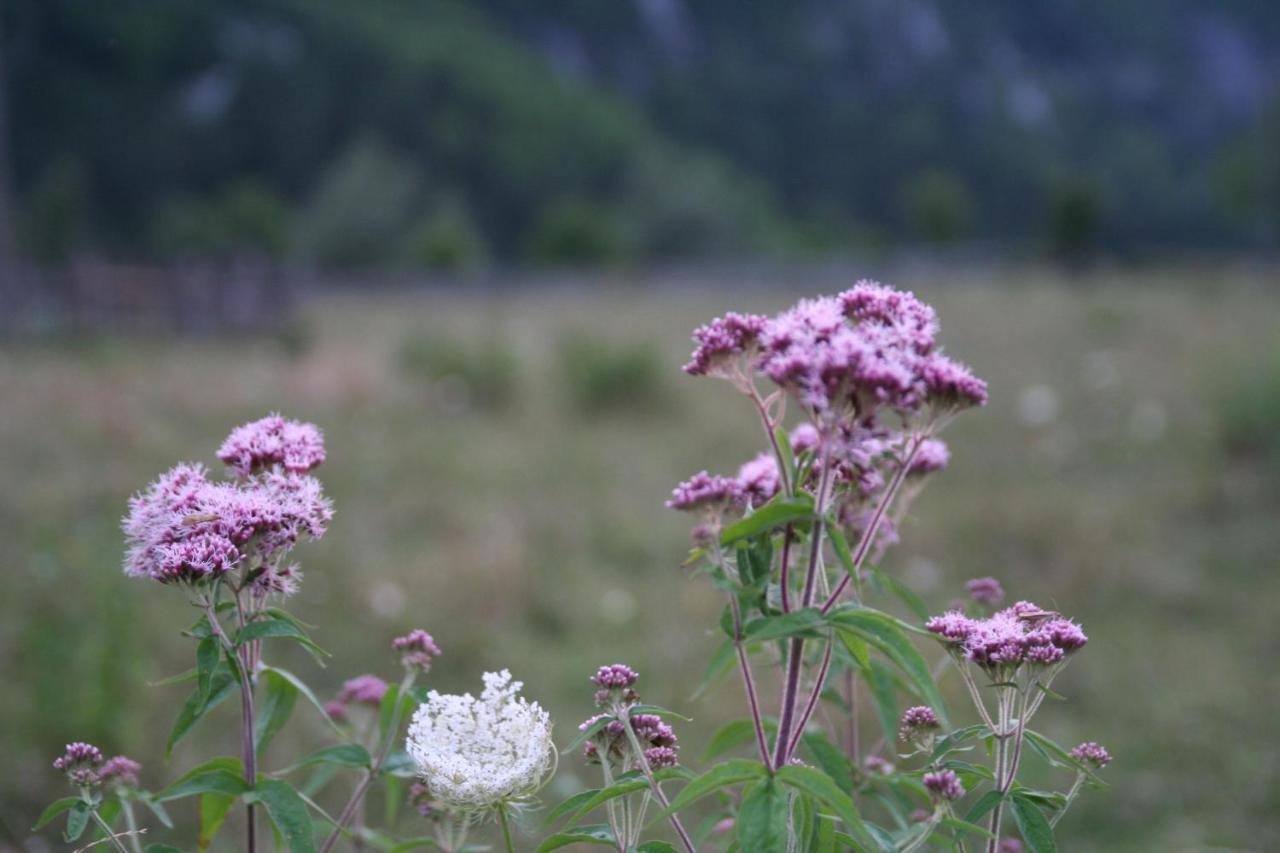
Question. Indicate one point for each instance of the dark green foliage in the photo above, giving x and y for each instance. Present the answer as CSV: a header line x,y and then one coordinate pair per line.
x,y
482,374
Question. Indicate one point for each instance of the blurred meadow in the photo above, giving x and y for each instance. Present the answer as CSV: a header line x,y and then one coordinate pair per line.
x,y
498,460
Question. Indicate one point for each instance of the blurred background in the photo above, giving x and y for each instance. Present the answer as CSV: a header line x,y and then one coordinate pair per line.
x,y
470,239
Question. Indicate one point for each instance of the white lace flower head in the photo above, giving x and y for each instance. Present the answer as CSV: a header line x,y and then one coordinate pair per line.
x,y
475,754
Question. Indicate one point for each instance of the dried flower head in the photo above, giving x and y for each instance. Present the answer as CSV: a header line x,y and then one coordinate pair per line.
x,y
944,785
417,650
1092,753
120,770
81,762
985,591
917,722
272,441
474,754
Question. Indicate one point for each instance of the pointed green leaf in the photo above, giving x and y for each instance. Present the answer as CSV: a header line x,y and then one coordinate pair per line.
x,y
820,786
721,663
220,775
720,776
307,694
805,622
54,809
275,706
77,821
595,834
198,704
777,512
213,811
273,627
762,819
343,755
1035,830
288,814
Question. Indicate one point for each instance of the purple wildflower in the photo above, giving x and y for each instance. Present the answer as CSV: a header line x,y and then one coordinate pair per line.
x,y
661,756
1093,753
363,690
932,456
120,770
704,491
417,649
722,340
615,676
985,591
279,580
952,626
271,441
758,479
81,762
876,764
917,721
805,437
944,784
336,710
873,303
950,384
1010,845
420,799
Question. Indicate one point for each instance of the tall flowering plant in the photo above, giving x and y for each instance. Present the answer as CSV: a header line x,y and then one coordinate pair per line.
x,y
793,540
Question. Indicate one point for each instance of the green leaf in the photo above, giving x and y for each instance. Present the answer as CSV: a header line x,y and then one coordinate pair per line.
x,y
964,826
276,705
721,775
829,758
905,594
820,786
595,834
659,711
180,678
161,813
587,733
627,784
287,812
77,821
200,703
343,755
399,764
886,633
572,803
272,627
656,847
783,438
54,809
777,512
1032,825
985,803
213,811
220,775
950,742
163,848
880,680
721,662
732,735
307,694
208,653
841,546
798,622
762,819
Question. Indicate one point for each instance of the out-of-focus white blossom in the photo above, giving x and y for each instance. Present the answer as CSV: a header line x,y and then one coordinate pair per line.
x,y
475,754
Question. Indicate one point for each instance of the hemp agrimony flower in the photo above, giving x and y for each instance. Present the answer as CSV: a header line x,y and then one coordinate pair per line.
x,y
944,785
417,649
82,763
475,755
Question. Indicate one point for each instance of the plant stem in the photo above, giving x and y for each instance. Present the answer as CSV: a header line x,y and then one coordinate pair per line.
x,y
795,656
814,696
653,782
506,828
102,824
248,749
132,823
388,738
748,682
1071,796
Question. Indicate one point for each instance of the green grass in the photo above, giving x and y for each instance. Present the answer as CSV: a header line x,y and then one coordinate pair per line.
x,y
534,537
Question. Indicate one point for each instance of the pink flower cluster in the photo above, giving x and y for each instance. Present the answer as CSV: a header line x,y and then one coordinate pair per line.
x,y
120,770
272,441
81,762
186,527
1093,753
616,683
417,650
944,785
1023,633
366,690
869,346
985,591
917,721
756,483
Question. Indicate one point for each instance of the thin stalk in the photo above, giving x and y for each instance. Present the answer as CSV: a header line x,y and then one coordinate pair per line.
x,y
814,696
769,428
506,828
748,682
851,733
925,832
131,822
248,749
653,782
864,545
388,738
611,807
102,824
1071,797
784,580
795,656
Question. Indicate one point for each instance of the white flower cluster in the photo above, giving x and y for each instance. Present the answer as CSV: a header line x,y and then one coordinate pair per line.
x,y
475,754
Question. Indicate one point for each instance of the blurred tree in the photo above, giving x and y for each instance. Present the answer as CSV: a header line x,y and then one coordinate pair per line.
x,y
937,206
1074,214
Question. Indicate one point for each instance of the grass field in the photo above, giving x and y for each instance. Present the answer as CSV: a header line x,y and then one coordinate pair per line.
x,y
516,513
